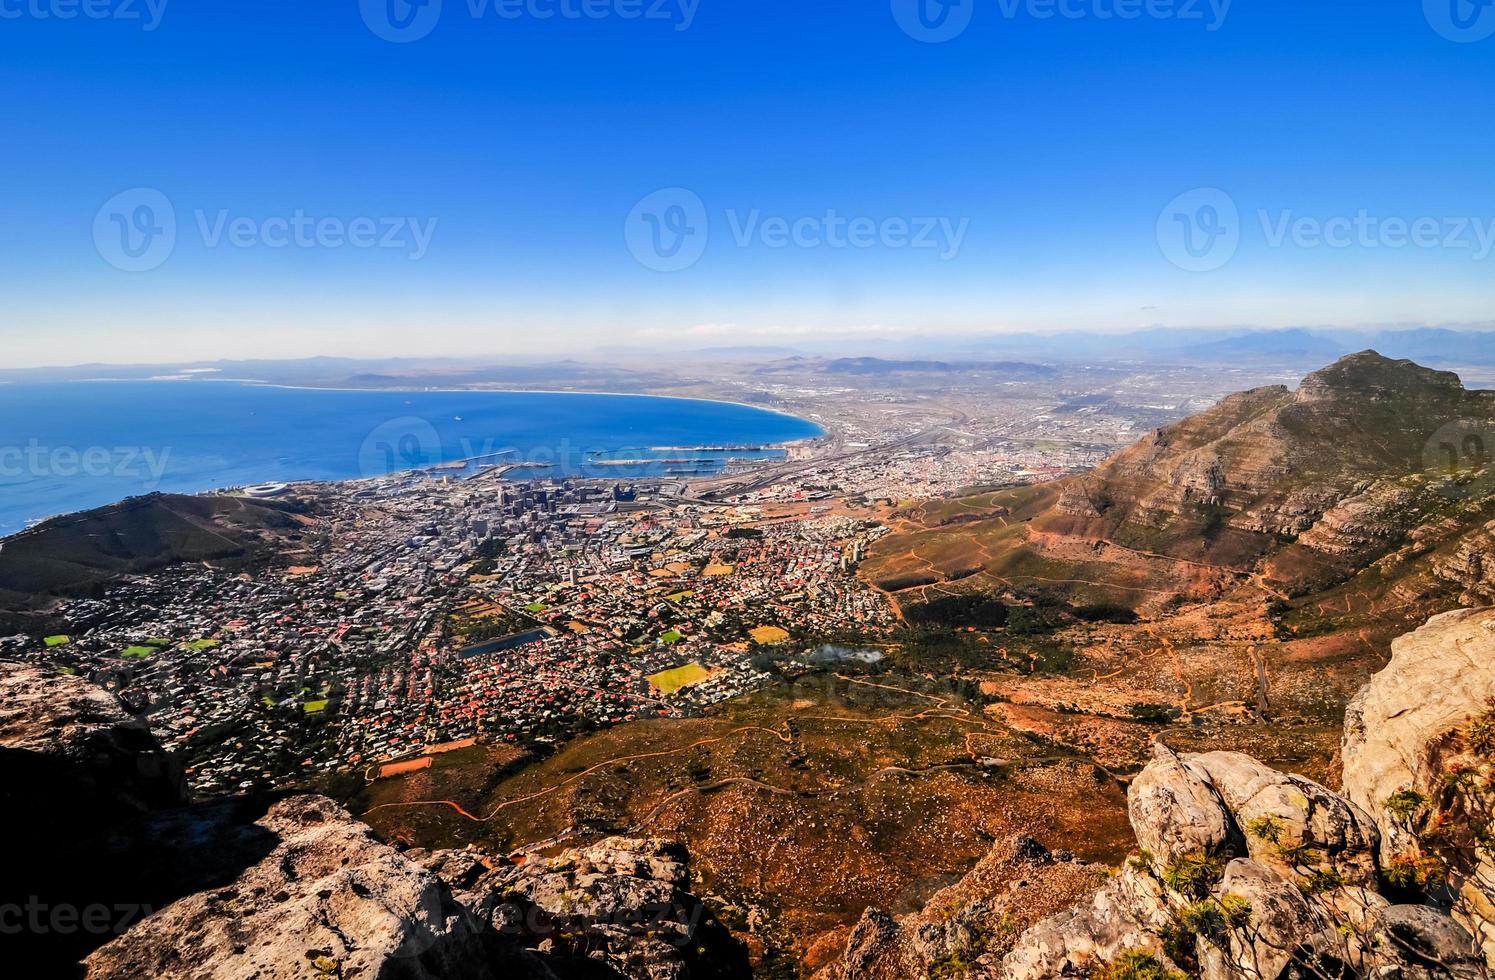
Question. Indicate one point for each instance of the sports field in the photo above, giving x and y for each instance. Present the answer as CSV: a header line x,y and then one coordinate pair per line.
x,y
670,681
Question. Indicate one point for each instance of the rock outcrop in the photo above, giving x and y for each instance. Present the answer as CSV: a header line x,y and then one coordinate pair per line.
x,y
75,739
1243,871
966,927
620,904
258,889
1408,757
1249,873
77,774
329,900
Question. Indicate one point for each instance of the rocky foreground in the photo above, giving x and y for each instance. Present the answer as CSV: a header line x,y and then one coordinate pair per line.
x,y
1242,871
111,866
1247,872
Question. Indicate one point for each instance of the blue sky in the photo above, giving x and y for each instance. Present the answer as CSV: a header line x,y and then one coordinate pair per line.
x,y
501,159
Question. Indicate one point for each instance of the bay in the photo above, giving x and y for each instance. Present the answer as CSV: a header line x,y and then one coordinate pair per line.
x,y
71,446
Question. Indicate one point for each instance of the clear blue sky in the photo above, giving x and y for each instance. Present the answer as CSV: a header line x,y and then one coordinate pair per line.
x,y
1055,143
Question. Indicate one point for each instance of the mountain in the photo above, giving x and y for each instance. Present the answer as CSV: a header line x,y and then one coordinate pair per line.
x,y
1438,346
1303,487
77,553
1274,345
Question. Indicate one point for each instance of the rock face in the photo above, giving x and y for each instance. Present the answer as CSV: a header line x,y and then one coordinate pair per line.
x,y
1402,736
621,904
247,889
1439,677
77,740
966,927
1128,912
77,771
329,900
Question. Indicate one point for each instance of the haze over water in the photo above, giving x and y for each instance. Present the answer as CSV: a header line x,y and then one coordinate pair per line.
x,y
72,446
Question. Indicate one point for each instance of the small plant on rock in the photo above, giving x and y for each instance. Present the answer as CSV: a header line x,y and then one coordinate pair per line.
x,y
1403,805
1237,911
1268,829
1417,872
1191,874
1137,964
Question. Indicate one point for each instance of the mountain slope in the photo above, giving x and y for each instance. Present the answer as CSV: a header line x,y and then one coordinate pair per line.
x,y
1304,487
74,554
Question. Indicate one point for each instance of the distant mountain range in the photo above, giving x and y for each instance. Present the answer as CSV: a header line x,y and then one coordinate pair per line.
x,y
1297,349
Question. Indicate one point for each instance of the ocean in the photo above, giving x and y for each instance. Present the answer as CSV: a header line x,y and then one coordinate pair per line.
x,y
71,446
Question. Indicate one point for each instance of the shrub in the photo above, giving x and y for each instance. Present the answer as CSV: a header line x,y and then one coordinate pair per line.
x,y
1268,829
1237,911
1203,919
1319,881
1137,964
1479,734
1404,804
1415,872
1192,873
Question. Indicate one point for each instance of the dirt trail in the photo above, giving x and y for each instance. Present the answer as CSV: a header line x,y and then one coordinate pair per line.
x,y
942,710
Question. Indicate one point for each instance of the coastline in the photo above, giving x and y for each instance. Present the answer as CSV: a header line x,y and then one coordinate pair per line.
x,y
28,523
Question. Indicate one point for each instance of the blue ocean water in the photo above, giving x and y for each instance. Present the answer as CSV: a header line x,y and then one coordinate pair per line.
x,y
71,446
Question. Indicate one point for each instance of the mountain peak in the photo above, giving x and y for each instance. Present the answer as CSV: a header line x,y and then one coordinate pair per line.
x,y
1369,372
